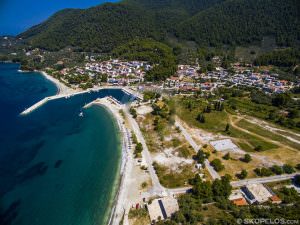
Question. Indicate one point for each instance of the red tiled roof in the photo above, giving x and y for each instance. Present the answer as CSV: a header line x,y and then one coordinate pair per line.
x,y
275,198
240,202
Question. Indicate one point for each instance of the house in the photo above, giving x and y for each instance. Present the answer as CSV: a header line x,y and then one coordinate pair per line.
x,y
259,193
162,208
237,198
240,202
275,199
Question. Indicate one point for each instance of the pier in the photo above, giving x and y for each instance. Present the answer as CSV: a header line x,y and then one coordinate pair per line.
x,y
40,103
59,96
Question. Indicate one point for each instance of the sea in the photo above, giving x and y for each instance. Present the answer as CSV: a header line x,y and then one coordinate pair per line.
x,y
56,167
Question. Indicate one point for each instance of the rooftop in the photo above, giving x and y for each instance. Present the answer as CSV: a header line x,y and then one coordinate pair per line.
x,y
259,192
162,208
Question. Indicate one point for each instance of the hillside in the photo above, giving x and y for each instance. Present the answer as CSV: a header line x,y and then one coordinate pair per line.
x,y
237,22
208,22
100,28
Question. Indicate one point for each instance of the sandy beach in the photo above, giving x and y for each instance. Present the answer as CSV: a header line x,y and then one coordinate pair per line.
x,y
120,201
62,88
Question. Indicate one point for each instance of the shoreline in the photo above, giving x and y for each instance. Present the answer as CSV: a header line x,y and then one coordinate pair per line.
x,y
117,210
62,89
117,198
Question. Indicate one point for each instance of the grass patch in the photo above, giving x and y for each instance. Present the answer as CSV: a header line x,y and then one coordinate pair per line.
x,y
246,106
292,135
185,151
175,142
215,121
245,146
250,140
234,165
212,211
174,179
265,133
188,109
139,216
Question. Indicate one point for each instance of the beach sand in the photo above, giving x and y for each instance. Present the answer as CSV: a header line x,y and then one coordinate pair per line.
x,y
131,176
62,88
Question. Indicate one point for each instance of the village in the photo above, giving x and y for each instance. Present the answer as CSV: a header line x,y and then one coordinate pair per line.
x,y
187,78
119,72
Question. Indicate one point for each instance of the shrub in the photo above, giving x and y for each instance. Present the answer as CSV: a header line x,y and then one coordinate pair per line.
x,y
263,172
277,170
247,158
138,149
288,169
258,148
201,156
227,156
200,118
242,175
133,112
217,165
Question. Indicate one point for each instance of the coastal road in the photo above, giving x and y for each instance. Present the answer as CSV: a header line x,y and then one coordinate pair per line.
x,y
241,183
196,147
157,187
263,180
177,191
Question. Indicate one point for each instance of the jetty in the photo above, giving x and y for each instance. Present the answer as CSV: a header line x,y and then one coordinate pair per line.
x,y
59,96
40,103
55,97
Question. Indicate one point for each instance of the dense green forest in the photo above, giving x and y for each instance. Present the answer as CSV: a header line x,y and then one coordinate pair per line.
x,y
97,29
239,22
158,54
208,22
280,58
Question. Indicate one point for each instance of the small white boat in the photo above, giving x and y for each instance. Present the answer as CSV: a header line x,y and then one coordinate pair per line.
x,y
81,114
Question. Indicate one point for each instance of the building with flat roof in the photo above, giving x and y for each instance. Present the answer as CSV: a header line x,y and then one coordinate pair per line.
x,y
257,193
162,208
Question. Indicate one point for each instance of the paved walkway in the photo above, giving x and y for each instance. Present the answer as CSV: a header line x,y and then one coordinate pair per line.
x,y
157,187
214,174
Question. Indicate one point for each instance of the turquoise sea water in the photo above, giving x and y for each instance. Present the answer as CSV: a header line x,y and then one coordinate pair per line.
x,y
56,168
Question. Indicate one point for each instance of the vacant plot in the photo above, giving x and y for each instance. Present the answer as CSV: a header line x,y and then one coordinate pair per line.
x,y
174,179
246,106
211,211
250,142
138,217
188,109
267,134
284,155
234,165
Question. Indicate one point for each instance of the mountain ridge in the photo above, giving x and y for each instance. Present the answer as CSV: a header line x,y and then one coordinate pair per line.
x,y
207,22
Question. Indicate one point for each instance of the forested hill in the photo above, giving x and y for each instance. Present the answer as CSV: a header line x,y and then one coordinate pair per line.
x,y
244,21
102,28
208,22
